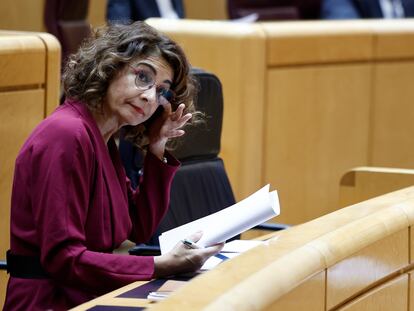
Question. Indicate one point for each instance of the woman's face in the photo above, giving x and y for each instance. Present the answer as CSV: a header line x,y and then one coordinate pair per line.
x,y
136,91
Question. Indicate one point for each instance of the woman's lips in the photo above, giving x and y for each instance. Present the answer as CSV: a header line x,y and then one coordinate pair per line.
x,y
138,109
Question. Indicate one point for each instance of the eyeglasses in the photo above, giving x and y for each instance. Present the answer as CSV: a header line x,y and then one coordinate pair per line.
x,y
145,80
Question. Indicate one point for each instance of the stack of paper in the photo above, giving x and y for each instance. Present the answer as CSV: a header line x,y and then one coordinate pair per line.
x,y
165,290
227,223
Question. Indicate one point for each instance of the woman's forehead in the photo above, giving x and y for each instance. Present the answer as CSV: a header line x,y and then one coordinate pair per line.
x,y
159,64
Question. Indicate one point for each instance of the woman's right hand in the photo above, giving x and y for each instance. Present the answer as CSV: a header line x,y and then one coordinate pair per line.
x,y
182,259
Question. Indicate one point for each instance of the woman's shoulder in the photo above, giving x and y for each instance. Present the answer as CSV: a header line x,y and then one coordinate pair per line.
x,y
62,136
64,124
65,128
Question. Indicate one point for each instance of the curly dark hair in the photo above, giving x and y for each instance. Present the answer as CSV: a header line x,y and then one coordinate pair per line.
x,y
89,72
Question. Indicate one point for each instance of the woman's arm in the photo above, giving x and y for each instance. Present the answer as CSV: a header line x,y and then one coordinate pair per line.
x,y
150,202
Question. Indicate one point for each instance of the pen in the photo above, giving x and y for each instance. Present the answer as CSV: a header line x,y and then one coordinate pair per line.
x,y
191,244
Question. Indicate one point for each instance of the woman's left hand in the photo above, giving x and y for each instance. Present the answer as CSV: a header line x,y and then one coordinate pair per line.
x,y
165,127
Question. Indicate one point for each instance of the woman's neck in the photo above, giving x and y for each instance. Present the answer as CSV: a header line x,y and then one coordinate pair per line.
x,y
107,126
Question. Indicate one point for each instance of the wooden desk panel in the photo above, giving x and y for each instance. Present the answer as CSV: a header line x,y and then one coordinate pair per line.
x,y
292,265
394,39
52,77
313,134
212,9
22,15
392,117
317,42
22,61
390,296
411,291
20,112
29,90
4,277
358,271
308,296
111,299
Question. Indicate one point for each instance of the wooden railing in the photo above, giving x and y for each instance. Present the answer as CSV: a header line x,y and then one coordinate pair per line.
x,y
356,258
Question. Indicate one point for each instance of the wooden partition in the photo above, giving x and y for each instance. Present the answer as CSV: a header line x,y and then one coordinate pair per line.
x,y
306,101
28,15
363,183
29,90
356,258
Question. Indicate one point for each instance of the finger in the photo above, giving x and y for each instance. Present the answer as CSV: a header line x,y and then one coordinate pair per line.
x,y
167,109
196,236
176,115
174,133
182,121
212,250
170,127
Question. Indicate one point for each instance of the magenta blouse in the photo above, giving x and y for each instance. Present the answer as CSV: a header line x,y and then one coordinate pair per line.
x,y
72,205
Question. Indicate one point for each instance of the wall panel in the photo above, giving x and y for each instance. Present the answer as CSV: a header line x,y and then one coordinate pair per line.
x,y
390,296
313,134
393,115
358,271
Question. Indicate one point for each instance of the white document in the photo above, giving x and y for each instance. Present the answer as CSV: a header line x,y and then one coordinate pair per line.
x,y
231,250
241,246
227,223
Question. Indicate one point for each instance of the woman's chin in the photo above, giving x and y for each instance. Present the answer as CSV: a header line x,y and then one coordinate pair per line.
x,y
135,121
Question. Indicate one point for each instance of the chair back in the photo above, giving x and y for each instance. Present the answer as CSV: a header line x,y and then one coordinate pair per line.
x,y
267,10
67,21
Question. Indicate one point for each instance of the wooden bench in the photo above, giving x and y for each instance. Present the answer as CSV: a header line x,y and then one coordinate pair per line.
x,y
29,90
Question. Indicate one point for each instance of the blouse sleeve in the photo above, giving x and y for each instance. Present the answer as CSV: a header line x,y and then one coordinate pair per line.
x,y
62,174
149,203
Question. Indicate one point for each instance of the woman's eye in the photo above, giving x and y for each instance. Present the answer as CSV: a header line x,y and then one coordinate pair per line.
x,y
144,78
166,93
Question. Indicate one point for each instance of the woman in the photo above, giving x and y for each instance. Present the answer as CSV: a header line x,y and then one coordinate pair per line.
x,y
72,204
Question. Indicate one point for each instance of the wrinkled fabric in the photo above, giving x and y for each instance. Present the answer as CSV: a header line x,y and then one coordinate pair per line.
x,y
72,205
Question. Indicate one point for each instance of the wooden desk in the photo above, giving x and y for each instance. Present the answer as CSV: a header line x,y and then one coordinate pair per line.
x,y
356,258
132,295
111,299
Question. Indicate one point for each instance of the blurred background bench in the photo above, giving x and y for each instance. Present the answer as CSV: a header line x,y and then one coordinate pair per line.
x,y
29,91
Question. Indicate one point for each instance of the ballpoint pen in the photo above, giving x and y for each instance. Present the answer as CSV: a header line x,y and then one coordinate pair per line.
x,y
191,244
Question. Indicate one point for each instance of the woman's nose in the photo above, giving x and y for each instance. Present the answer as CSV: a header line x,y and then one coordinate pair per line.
x,y
150,95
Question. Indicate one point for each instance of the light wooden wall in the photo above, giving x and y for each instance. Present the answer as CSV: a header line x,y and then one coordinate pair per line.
x,y
356,258
212,9
29,90
323,97
28,15
22,15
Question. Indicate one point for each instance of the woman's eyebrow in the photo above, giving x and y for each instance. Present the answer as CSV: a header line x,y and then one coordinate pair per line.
x,y
150,66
